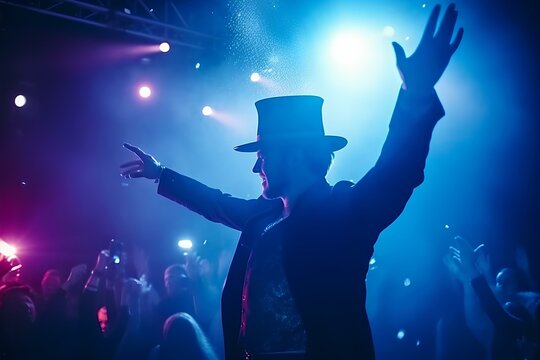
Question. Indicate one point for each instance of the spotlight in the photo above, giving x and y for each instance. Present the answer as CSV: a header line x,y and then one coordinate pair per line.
x,y
401,334
20,101
145,92
164,47
197,66
348,48
255,77
207,111
6,249
185,244
407,282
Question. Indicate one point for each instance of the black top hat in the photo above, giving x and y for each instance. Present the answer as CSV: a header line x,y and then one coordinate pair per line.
x,y
291,120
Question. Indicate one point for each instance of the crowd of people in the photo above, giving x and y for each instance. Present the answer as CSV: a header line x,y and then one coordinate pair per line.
x,y
105,314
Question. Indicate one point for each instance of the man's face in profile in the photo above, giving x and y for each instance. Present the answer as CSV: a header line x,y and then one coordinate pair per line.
x,y
271,165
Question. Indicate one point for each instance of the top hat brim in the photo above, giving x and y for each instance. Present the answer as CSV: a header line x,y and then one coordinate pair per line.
x,y
334,143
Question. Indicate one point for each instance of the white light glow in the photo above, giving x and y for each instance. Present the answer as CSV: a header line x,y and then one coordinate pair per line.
x,y
197,66
407,282
348,48
207,111
20,100
255,77
145,92
389,31
401,334
6,249
164,47
185,244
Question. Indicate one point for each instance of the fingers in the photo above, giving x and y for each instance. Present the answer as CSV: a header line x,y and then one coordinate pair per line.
x,y
135,175
429,31
454,45
136,167
135,149
462,244
448,23
479,249
132,163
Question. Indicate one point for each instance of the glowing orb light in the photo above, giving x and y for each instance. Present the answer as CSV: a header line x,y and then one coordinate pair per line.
x,y
207,111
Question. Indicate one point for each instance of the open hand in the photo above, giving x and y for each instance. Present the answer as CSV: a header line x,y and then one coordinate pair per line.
x,y
421,71
147,166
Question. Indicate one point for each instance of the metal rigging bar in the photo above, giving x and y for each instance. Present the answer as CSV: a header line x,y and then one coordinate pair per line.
x,y
130,16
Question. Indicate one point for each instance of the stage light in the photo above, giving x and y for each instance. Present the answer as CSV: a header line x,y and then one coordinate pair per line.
x,y
145,92
20,100
389,31
164,47
197,66
6,249
401,334
372,261
185,244
255,77
407,282
207,111
348,48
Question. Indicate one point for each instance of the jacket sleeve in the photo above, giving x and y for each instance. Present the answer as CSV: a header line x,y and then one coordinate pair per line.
x,y
380,196
208,202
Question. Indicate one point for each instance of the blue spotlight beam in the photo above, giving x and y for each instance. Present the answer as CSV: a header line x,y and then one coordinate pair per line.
x,y
142,23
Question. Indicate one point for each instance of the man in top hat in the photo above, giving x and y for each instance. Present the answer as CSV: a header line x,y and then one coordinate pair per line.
x,y
287,296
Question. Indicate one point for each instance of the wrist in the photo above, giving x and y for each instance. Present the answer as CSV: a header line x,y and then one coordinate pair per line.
x,y
159,172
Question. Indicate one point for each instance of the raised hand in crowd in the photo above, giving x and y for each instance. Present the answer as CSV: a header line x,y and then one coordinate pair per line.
x,y
464,257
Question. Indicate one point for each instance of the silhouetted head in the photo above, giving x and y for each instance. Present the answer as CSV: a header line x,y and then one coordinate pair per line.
x,y
17,307
51,283
184,339
507,283
176,280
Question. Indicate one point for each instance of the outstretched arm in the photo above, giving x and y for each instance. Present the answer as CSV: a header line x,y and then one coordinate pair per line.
x,y
385,190
208,202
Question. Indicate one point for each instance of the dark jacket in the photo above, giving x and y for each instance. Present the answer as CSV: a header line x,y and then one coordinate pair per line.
x,y
327,282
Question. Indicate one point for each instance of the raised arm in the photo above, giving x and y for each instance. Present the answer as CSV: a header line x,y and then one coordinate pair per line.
x,y
208,202
386,188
